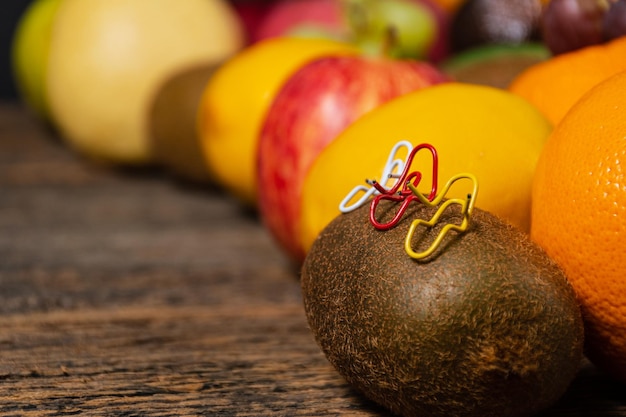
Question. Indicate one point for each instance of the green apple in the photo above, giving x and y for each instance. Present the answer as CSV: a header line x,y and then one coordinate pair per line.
x,y
408,28
30,54
108,58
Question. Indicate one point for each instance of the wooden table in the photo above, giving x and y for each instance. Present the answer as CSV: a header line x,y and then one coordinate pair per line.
x,y
130,293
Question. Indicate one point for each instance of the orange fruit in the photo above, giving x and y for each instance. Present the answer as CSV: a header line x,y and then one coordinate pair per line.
x,y
578,212
554,85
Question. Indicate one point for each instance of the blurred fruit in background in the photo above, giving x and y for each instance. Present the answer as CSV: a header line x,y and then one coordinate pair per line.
x,y
578,209
314,106
236,100
478,22
489,132
614,22
494,65
568,25
172,118
572,24
555,85
107,59
419,27
29,54
450,6
303,18
251,13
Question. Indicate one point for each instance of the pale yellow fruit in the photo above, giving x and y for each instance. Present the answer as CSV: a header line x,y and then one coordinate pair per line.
x,y
107,58
485,131
237,99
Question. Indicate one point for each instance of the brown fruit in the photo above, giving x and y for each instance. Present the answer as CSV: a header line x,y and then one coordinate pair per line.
x,y
488,326
175,142
494,65
481,22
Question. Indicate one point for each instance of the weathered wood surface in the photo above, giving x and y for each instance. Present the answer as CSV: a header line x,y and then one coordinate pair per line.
x,y
127,293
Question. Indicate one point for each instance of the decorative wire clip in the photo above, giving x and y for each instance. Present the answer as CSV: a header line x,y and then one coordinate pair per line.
x,y
391,171
402,192
467,205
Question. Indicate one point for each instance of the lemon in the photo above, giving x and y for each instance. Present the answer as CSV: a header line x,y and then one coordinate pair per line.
x,y
488,132
236,100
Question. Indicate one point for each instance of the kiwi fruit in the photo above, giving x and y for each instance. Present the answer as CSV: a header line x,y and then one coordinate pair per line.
x,y
494,65
486,326
172,120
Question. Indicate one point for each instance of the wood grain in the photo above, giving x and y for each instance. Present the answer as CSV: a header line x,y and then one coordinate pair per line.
x,y
126,292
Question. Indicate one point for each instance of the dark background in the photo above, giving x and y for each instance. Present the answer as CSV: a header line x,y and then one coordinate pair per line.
x,y
10,12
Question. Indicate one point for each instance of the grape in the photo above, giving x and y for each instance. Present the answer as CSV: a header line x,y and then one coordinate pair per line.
x,y
568,25
614,23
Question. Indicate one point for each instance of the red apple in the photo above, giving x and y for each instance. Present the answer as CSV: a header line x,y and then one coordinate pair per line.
x,y
322,18
314,105
421,26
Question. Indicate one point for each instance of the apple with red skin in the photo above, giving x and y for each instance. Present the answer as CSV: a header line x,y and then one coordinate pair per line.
x,y
323,18
363,22
312,108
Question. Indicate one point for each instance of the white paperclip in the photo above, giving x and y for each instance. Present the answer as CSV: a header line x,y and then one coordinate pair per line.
x,y
393,168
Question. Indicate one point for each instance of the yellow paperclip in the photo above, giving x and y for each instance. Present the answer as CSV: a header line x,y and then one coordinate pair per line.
x,y
467,205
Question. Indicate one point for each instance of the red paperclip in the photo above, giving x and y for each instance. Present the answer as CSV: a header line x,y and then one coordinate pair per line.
x,y
400,192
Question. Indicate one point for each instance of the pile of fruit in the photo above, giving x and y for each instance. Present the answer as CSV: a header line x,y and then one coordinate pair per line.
x,y
289,105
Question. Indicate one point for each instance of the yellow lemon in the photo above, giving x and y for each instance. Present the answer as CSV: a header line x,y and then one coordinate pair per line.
x,y
236,100
488,132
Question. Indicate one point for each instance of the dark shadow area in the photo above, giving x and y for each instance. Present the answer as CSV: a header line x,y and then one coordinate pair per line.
x,y
592,394
10,13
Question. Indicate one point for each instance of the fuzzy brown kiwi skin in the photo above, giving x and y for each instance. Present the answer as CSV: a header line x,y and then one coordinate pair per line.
x,y
488,326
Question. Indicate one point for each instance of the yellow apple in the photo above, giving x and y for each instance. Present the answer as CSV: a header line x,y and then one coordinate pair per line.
x,y
108,57
30,54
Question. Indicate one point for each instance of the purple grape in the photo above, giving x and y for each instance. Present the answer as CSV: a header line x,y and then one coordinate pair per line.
x,y
614,23
568,25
